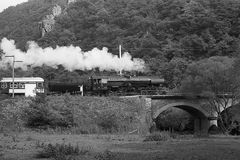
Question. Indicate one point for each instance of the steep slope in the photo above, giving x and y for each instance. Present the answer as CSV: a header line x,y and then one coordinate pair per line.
x,y
21,23
166,29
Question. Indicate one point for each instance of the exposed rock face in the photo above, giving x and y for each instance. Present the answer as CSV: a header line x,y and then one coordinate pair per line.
x,y
57,10
47,24
71,1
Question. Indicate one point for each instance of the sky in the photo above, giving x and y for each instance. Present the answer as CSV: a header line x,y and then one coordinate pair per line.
x,y
7,3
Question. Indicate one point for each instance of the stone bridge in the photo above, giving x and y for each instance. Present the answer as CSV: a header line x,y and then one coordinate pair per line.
x,y
198,107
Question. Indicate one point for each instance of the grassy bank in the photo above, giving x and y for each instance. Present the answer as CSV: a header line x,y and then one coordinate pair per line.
x,y
75,114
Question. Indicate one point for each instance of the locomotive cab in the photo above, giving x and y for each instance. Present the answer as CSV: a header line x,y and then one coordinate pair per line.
x,y
98,85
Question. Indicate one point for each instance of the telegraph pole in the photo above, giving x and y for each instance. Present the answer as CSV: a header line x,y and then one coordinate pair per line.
x,y
120,56
13,64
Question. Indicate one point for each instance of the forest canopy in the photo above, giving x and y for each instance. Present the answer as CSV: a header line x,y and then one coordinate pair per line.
x,y
168,34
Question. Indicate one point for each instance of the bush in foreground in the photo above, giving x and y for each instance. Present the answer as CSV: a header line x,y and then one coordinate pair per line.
x,y
12,114
41,114
107,155
61,151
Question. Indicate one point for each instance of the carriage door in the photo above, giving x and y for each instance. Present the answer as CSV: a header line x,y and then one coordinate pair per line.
x,y
30,89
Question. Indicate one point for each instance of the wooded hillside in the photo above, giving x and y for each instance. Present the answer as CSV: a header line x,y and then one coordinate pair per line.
x,y
167,34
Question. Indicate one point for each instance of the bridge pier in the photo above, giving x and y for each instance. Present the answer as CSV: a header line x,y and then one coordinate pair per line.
x,y
214,122
145,117
213,119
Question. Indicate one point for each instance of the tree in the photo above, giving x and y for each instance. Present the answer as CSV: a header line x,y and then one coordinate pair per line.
x,y
214,79
173,72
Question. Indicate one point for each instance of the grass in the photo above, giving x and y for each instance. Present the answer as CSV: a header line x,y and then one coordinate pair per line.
x,y
97,147
161,136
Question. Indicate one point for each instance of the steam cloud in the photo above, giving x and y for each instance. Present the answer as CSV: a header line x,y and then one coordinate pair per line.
x,y
72,58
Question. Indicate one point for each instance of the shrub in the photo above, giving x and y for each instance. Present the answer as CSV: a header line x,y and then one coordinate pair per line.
x,y
102,115
235,130
41,114
108,121
61,151
214,130
12,114
161,136
107,155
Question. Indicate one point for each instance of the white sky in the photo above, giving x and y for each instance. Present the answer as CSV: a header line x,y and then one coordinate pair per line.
x,y
7,3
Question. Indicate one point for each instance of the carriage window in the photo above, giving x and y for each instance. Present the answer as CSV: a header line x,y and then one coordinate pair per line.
x,y
39,85
3,85
21,85
104,81
15,85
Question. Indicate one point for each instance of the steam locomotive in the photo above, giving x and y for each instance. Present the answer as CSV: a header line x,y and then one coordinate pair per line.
x,y
113,85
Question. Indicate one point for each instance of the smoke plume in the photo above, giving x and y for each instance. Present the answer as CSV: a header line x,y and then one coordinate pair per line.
x,y
72,58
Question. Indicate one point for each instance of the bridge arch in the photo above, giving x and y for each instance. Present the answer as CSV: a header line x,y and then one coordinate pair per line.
x,y
201,121
193,109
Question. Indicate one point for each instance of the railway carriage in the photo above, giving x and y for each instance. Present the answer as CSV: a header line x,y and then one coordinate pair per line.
x,y
28,86
61,87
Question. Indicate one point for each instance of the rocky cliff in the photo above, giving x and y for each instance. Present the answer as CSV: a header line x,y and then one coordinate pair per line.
x,y
47,24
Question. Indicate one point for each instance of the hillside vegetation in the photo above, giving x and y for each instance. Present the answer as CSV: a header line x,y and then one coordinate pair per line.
x,y
167,34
